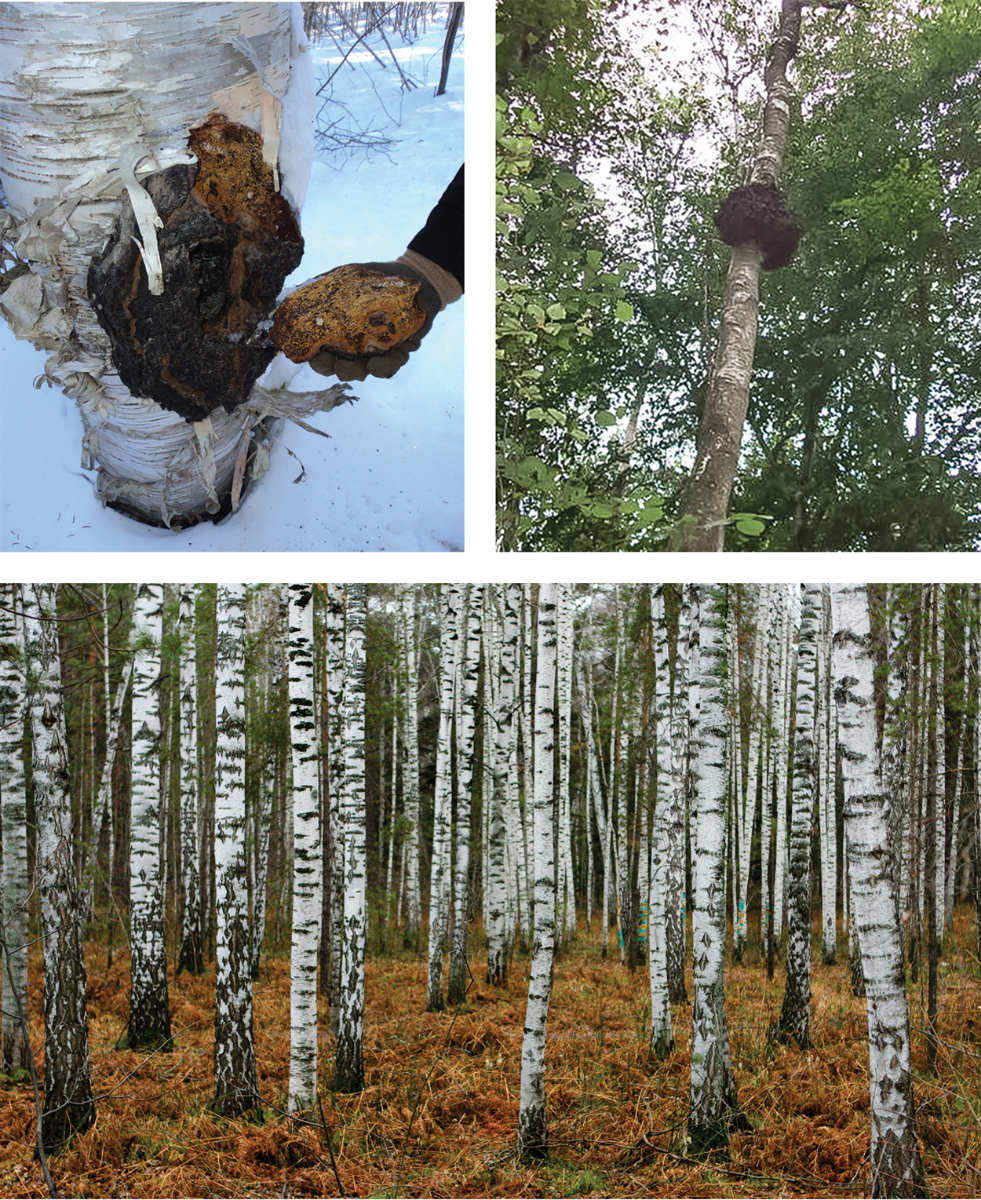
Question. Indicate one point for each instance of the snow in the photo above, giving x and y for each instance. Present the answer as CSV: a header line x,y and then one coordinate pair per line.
x,y
390,477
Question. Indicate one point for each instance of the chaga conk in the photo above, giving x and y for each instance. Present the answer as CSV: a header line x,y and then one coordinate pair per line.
x,y
227,241
757,215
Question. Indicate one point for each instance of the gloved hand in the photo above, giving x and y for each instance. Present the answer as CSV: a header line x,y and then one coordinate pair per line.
x,y
438,289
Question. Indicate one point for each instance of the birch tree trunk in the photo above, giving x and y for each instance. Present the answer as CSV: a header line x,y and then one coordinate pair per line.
x,y
826,791
149,1006
172,416
677,857
457,985
333,935
306,853
438,916
14,887
235,1068
795,1017
69,1108
705,503
410,785
713,1093
191,956
503,739
532,1117
895,1167
349,1063
662,1039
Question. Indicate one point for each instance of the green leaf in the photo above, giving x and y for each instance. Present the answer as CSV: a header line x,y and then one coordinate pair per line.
x,y
624,310
556,312
751,527
605,418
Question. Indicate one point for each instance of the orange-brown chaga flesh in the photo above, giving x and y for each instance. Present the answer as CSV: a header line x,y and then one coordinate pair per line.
x,y
351,311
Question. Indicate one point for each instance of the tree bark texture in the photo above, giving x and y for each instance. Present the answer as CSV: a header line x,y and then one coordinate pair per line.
x,y
149,1008
14,915
349,1063
191,956
895,1167
69,1107
236,1090
532,1116
795,1017
306,853
712,1092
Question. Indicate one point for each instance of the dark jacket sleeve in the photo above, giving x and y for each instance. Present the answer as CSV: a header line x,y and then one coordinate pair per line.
x,y
441,238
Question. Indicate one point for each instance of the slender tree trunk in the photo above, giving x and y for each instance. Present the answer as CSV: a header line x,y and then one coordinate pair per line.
x,y
149,1007
306,853
410,780
662,1039
713,1094
895,1169
14,913
795,1017
236,1089
438,916
532,1117
69,1107
457,986
191,957
349,1064
705,504
677,857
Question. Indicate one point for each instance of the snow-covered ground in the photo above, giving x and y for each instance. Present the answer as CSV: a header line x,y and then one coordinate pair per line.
x,y
390,477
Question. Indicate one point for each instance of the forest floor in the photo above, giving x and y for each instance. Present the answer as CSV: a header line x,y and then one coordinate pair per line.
x,y
438,1115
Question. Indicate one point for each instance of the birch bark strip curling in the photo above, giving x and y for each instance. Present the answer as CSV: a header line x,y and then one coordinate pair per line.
x,y
95,100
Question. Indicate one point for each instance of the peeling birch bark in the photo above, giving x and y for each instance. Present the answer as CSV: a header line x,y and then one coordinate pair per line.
x,y
95,100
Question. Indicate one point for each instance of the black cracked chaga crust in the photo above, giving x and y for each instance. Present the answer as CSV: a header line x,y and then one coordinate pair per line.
x,y
757,215
188,349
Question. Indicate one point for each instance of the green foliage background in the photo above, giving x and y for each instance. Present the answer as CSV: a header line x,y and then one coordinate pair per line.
x,y
864,428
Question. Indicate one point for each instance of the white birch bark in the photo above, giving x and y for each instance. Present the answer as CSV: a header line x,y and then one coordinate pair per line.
x,y
565,892
532,1117
14,910
438,916
334,633
940,786
895,1168
410,784
501,740
795,1016
73,162
69,1108
191,957
677,857
306,853
349,1072
713,1100
761,643
662,1039
457,984
827,823
149,1007
781,716
235,1067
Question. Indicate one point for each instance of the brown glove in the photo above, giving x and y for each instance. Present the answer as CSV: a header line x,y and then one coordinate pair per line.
x,y
402,315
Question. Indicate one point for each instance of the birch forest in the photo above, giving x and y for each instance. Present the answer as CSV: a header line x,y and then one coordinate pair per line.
x,y
490,890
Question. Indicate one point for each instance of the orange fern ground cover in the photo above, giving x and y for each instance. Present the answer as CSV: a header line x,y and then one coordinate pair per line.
x,y
438,1115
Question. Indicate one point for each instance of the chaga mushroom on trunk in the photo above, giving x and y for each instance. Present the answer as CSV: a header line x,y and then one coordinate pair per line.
x,y
757,215
227,243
